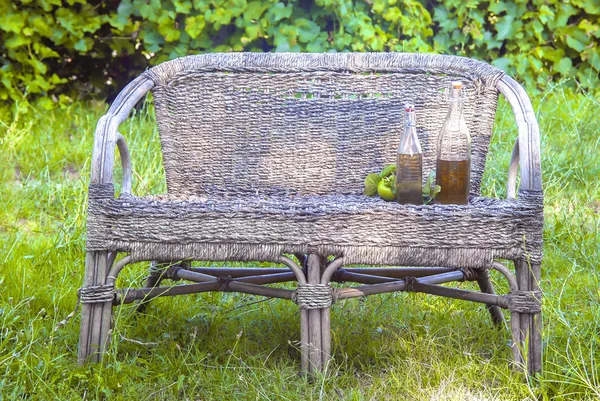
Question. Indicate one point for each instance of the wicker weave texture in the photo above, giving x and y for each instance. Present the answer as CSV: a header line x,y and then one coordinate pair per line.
x,y
307,124
364,230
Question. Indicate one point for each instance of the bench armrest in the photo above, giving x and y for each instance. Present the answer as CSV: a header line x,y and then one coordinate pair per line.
x,y
526,152
125,163
106,137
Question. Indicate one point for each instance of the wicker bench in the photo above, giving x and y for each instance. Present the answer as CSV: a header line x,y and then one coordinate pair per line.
x,y
265,157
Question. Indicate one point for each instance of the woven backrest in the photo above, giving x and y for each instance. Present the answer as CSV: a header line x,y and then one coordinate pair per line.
x,y
290,124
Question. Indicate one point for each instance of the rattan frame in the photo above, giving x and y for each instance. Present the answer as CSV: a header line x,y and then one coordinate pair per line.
x,y
313,271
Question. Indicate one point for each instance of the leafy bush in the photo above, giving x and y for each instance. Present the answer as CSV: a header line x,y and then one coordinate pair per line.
x,y
54,47
535,40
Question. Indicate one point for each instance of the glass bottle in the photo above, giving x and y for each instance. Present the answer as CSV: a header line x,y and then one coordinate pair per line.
x,y
409,163
453,169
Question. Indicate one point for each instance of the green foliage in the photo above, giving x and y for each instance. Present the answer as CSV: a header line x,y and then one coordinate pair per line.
x,y
536,40
371,182
388,170
384,181
430,188
51,47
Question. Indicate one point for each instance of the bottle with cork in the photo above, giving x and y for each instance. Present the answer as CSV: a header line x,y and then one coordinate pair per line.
x,y
409,162
453,167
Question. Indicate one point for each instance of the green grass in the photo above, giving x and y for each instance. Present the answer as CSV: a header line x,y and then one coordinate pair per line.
x,y
227,346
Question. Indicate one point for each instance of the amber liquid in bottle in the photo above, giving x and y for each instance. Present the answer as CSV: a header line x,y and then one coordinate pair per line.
x,y
408,182
453,177
409,162
453,169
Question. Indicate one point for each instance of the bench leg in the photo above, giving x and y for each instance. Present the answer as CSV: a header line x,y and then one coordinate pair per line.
x,y
304,342
528,279
314,318
95,317
486,286
315,324
325,337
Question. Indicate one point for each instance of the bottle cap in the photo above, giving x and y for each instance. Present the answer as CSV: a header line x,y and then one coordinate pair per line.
x,y
457,85
407,107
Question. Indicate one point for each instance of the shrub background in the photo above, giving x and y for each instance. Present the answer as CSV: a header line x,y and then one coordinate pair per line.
x,y
57,48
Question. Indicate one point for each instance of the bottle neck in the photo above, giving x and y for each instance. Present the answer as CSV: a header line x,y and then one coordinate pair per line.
x,y
455,101
409,119
409,142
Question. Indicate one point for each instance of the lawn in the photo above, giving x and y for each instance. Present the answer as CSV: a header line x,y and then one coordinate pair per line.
x,y
230,346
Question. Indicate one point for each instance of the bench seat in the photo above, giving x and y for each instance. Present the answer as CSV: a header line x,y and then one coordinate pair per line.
x,y
361,229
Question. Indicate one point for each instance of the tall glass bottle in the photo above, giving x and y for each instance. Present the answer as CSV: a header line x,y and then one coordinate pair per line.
x,y
453,170
409,163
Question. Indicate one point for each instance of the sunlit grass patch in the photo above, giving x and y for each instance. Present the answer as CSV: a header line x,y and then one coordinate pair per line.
x,y
231,346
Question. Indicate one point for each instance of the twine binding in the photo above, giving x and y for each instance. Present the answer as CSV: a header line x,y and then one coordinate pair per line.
x,y
525,301
97,294
313,296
